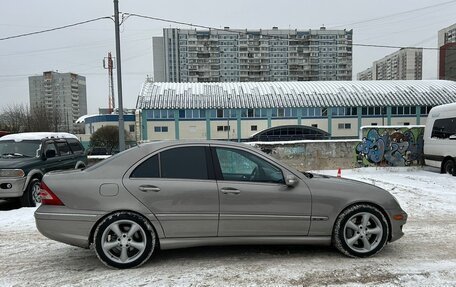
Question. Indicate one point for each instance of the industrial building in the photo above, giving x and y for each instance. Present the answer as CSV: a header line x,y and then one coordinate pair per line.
x,y
238,111
228,55
62,96
405,64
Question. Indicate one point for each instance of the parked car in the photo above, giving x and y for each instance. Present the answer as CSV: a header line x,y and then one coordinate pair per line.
x,y
173,194
440,138
26,157
97,151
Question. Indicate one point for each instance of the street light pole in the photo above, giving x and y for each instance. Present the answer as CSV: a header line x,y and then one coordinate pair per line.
x,y
119,78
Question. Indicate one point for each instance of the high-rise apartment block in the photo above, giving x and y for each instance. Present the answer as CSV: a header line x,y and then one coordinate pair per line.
x,y
405,64
447,53
227,55
62,96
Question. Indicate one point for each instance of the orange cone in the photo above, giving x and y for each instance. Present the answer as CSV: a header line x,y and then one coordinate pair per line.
x,y
339,172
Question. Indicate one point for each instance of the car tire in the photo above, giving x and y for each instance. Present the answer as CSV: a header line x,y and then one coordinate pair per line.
x,y
118,246
360,231
31,196
449,167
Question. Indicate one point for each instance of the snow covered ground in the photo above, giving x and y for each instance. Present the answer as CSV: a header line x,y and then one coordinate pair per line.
x,y
425,256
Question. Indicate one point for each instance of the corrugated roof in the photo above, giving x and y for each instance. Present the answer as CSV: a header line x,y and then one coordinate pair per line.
x,y
295,94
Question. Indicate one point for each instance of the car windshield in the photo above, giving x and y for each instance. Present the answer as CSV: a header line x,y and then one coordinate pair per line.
x,y
20,149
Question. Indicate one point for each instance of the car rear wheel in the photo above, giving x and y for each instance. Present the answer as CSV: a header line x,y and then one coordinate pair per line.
x,y
449,167
360,231
31,196
124,240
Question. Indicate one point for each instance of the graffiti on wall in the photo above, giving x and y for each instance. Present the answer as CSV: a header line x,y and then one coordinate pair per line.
x,y
391,146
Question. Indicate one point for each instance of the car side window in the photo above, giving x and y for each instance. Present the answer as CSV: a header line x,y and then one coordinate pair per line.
x,y
147,169
76,146
63,148
184,162
238,165
49,149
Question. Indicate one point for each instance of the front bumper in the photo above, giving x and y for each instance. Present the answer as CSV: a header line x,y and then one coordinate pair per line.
x,y
65,225
12,187
397,223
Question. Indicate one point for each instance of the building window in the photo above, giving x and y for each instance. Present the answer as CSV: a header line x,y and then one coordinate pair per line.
x,y
131,128
344,126
374,124
161,129
250,113
219,113
181,114
223,128
253,128
314,125
406,124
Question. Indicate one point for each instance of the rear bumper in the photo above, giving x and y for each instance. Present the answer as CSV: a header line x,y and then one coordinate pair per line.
x,y
65,225
12,187
397,224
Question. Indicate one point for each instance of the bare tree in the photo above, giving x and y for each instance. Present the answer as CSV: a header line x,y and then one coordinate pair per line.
x,y
19,118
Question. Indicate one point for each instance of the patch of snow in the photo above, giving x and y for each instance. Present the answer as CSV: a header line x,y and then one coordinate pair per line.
x,y
36,136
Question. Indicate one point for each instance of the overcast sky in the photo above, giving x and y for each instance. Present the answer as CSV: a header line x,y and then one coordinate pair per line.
x,y
81,49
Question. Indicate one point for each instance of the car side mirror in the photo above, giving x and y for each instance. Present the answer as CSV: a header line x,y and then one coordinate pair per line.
x,y
291,180
50,153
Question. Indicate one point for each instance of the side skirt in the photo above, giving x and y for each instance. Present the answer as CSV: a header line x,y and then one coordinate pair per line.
x,y
174,243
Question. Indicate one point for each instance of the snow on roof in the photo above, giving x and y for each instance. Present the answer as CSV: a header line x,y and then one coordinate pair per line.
x,y
36,136
295,94
82,119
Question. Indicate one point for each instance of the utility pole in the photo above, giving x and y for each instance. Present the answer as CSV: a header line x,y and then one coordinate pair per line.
x,y
119,78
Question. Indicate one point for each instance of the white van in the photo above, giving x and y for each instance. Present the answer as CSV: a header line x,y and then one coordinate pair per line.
x,y
440,138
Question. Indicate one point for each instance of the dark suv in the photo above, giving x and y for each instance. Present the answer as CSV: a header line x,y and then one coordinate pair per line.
x,y
26,157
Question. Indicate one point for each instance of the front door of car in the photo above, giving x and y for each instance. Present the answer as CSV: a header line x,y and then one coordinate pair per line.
x,y
178,186
254,200
51,153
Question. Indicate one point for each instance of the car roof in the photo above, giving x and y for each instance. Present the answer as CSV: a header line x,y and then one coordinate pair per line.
x,y
37,136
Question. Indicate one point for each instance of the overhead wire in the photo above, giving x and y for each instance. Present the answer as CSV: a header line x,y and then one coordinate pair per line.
x,y
55,28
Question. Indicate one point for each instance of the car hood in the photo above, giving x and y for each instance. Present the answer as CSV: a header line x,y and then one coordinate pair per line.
x,y
17,162
350,191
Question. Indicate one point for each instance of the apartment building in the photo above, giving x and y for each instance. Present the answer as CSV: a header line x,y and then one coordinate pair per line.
x,y
62,96
447,53
227,55
405,64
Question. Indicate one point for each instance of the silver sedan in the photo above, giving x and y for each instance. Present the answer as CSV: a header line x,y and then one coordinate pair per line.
x,y
177,194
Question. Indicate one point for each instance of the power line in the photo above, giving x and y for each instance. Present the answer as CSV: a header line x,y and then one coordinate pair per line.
x,y
396,14
54,29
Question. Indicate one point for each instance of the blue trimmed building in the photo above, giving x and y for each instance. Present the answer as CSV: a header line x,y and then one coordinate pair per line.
x,y
238,110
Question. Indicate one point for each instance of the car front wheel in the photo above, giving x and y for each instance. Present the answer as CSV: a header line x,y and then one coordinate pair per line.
x,y
124,240
31,196
449,167
360,231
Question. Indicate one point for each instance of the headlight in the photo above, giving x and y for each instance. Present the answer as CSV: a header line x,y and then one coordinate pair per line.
x,y
12,173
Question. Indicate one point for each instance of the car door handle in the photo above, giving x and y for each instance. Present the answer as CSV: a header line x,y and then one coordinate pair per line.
x,y
230,190
147,188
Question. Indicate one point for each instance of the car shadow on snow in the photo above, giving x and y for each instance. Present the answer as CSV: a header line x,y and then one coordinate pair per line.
x,y
9,205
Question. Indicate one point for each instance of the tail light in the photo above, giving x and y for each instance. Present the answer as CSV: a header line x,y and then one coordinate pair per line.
x,y
47,196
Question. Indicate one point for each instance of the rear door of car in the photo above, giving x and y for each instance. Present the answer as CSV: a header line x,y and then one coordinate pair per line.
x,y
178,185
254,200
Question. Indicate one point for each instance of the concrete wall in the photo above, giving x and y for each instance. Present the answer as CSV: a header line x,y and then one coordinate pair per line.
x,y
312,155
